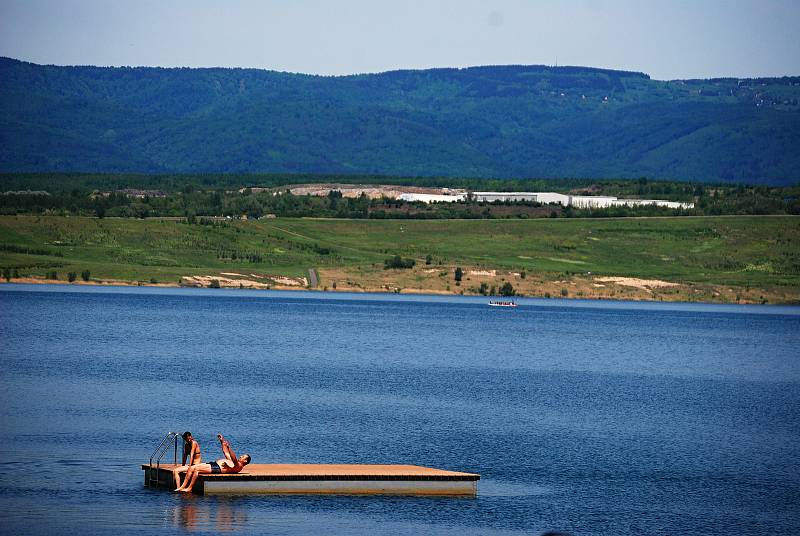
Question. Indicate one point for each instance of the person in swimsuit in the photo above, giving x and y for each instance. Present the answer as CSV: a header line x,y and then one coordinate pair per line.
x,y
228,465
191,450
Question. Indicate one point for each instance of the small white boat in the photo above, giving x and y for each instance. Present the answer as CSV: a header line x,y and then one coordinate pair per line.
x,y
502,304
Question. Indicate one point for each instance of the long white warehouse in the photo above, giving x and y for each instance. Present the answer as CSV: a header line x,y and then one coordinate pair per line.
x,y
579,201
432,198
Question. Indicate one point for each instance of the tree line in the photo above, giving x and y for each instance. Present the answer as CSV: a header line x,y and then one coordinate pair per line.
x,y
193,202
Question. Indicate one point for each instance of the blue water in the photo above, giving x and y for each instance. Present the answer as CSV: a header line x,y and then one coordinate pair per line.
x,y
586,417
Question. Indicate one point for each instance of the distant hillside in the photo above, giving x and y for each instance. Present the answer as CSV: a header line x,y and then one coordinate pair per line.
x,y
508,121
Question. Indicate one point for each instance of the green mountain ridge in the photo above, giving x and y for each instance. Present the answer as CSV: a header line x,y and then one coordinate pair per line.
x,y
493,121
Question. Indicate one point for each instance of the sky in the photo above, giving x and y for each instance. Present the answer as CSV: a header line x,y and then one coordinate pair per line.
x,y
666,39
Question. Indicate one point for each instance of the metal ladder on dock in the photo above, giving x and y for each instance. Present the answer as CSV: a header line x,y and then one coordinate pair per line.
x,y
160,451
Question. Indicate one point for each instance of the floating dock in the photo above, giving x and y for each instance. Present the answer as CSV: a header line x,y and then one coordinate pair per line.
x,y
326,479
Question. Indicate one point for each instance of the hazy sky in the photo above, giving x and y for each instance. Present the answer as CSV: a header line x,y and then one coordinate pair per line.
x,y
666,39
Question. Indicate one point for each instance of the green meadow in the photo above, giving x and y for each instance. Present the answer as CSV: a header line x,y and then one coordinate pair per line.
x,y
746,251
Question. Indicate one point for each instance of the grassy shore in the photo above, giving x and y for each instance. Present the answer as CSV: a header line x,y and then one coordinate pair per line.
x,y
725,259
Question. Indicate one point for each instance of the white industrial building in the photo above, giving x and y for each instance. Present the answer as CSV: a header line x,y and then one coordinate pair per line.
x,y
447,195
657,202
432,198
591,201
490,197
545,198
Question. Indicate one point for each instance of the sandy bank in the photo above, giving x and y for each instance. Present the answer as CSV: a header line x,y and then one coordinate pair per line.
x,y
423,282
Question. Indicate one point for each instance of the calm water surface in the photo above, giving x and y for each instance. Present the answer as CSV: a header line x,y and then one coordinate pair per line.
x,y
586,417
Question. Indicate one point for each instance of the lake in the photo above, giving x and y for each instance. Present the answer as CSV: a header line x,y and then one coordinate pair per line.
x,y
587,417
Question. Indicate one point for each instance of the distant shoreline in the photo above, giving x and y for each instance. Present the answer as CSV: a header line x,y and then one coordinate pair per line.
x,y
634,296
745,259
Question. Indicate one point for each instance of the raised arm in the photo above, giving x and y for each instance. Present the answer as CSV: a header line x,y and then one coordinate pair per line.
x,y
227,450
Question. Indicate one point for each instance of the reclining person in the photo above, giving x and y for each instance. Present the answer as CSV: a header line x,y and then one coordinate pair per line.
x,y
191,450
228,465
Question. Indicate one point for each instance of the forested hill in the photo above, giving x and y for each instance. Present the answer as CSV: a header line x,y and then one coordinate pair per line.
x,y
507,121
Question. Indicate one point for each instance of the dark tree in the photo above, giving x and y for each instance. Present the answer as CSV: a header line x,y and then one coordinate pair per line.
x,y
85,275
459,273
397,262
72,276
507,289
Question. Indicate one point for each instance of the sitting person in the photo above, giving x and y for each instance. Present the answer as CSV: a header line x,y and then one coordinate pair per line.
x,y
228,465
191,450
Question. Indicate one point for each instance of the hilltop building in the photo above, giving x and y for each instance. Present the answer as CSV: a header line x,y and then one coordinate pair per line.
x,y
577,201
413,194
432,198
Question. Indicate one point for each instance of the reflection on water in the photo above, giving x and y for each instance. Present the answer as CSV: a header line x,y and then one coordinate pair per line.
x,y
194,512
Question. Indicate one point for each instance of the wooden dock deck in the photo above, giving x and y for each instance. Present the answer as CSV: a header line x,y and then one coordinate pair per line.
x,y
349,479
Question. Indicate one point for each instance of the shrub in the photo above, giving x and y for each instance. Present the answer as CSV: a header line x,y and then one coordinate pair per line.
x,y
428,259
564,292
85,275
7,274
507,289
398,262
52,275
72,276
214,283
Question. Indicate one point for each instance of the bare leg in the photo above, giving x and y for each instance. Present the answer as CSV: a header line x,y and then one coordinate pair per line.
x,y
177,477
186,480
192,474
189,483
